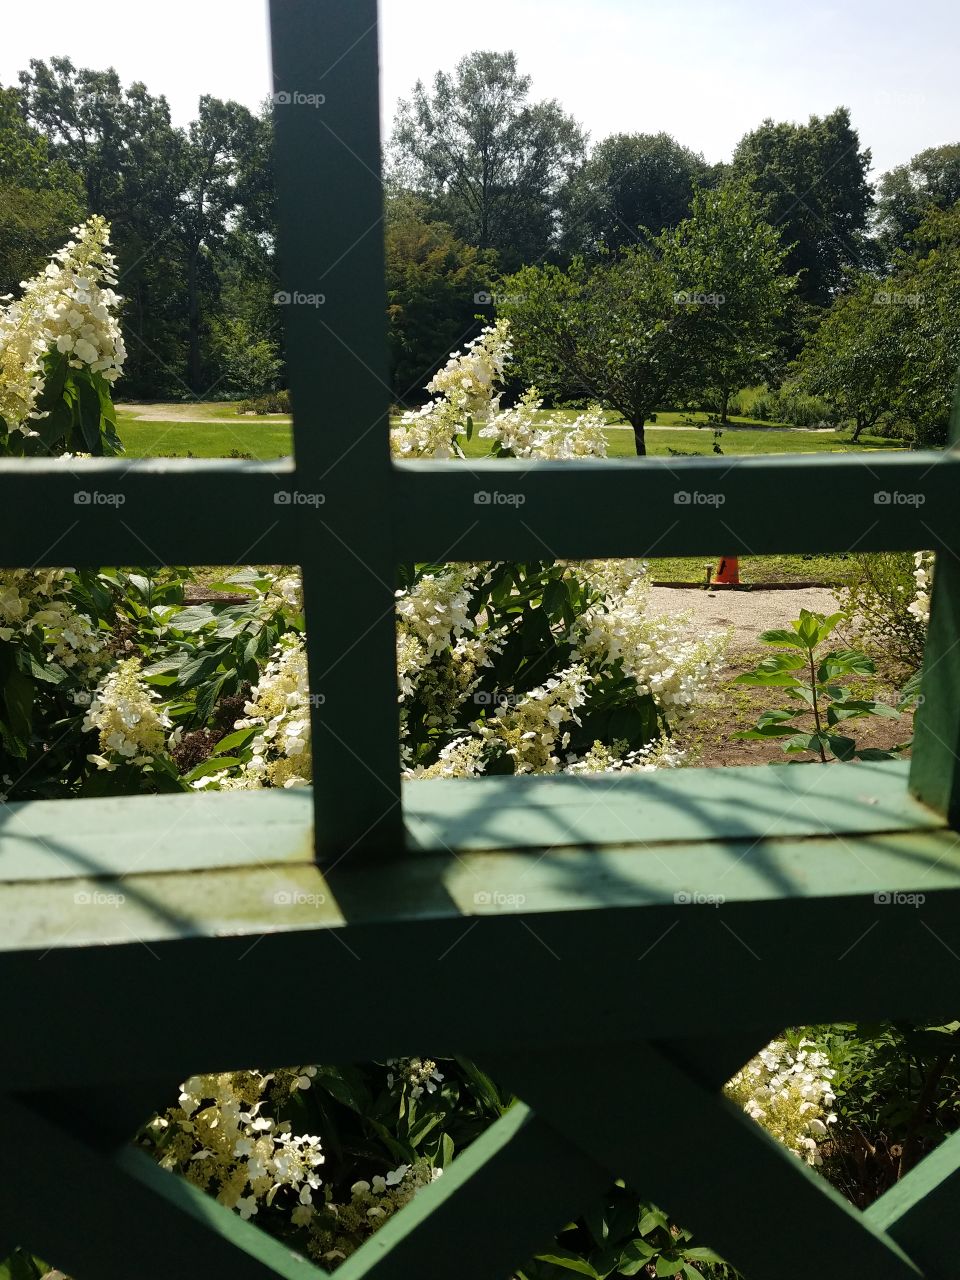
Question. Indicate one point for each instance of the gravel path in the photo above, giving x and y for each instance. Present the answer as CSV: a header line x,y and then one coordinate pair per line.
x,y
747,612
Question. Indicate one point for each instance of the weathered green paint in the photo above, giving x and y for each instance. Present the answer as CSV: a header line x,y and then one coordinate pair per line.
x,y
694,1154
935,776
331,243
499,1203
427,511
920,1211
125,1216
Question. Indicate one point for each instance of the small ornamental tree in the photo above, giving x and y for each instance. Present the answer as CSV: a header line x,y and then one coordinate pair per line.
x,y
856,357
728,265
606,330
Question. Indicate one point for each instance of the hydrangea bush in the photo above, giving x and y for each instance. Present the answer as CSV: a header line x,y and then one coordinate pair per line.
x,y
61,350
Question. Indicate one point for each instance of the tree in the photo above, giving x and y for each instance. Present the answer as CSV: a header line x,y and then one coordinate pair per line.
x,y
436,285
728,267
40,198
855,358
924,292
490,163
631,181
606,329
812,179
931,180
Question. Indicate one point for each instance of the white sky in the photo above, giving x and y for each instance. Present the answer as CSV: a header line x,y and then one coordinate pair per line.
x,y
704,70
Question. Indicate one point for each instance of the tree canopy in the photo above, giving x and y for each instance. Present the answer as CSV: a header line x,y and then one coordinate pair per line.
x,y
490,162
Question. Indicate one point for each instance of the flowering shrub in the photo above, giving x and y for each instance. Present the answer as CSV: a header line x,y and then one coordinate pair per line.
x,y
919,606
60,351
789,1090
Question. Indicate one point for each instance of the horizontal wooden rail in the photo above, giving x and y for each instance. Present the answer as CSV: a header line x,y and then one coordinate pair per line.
x,y
477,510
699,914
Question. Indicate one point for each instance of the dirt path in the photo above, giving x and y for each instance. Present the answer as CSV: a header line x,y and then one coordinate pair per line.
x,y
747,612
730,708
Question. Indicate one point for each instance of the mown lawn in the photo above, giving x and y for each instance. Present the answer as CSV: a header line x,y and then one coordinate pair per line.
x,y
218,431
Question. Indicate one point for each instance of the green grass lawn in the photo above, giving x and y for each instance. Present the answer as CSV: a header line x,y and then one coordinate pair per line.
x,y
217,431
831,570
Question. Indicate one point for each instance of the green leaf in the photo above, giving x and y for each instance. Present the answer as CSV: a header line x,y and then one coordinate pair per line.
x,y
652,1219
213,765
569,1262
234,741
636,1256
780,636
699,1253
667,1266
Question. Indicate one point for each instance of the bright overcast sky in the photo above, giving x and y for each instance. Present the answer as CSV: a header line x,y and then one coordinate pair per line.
x,y
703,70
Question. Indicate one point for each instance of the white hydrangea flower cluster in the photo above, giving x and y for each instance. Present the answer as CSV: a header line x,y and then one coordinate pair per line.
x,y
523,433
790,1092
923,562
279,709
125,714
69,307
468,381
665,656
466,388
222,1139
434,610
618,758
416,1075
37,598
531,729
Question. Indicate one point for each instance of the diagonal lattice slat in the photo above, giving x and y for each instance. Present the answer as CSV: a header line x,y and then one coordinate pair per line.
x,y
634,1110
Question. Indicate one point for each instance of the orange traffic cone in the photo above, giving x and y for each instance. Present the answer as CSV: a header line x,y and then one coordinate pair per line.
x,y
728,572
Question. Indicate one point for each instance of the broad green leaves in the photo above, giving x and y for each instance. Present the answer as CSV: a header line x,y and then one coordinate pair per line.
x,y
810,677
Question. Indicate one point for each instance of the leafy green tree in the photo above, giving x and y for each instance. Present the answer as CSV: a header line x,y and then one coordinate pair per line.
x,y
436,287
813,180
490,162
631,181
923,293
931,180
728,267
855,358
40,198
606,330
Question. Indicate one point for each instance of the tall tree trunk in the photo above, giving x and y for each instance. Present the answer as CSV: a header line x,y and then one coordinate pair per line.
x,y
858,427
193,325
639,439
724,401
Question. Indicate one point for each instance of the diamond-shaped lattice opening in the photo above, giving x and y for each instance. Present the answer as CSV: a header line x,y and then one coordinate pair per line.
x,y
321,1157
